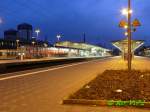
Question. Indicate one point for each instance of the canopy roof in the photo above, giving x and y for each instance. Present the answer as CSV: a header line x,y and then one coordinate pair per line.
x,y
79,45
122,45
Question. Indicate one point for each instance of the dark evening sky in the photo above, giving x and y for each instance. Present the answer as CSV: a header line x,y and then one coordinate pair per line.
x,y
97,18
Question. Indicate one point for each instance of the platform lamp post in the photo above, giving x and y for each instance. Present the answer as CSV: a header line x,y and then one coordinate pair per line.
x,y
33,43
58,36
45,47
129,25
17,41
37,31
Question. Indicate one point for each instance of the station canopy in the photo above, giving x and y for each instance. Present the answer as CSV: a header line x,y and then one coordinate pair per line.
x,y
82,46
122,45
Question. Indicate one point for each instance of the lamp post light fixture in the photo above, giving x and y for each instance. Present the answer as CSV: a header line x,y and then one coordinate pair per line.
x,y
58,37
126,27
33,43
37,32
125,11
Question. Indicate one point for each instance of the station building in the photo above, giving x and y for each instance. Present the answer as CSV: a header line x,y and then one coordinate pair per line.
x,y
10,34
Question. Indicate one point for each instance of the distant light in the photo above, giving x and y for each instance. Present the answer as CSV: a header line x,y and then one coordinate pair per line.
x,y
141,76
33,42
45,45
1,20
87,86
118,91
126,33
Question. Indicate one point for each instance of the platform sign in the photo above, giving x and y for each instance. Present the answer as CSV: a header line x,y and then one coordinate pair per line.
x,y
136,23
123,23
